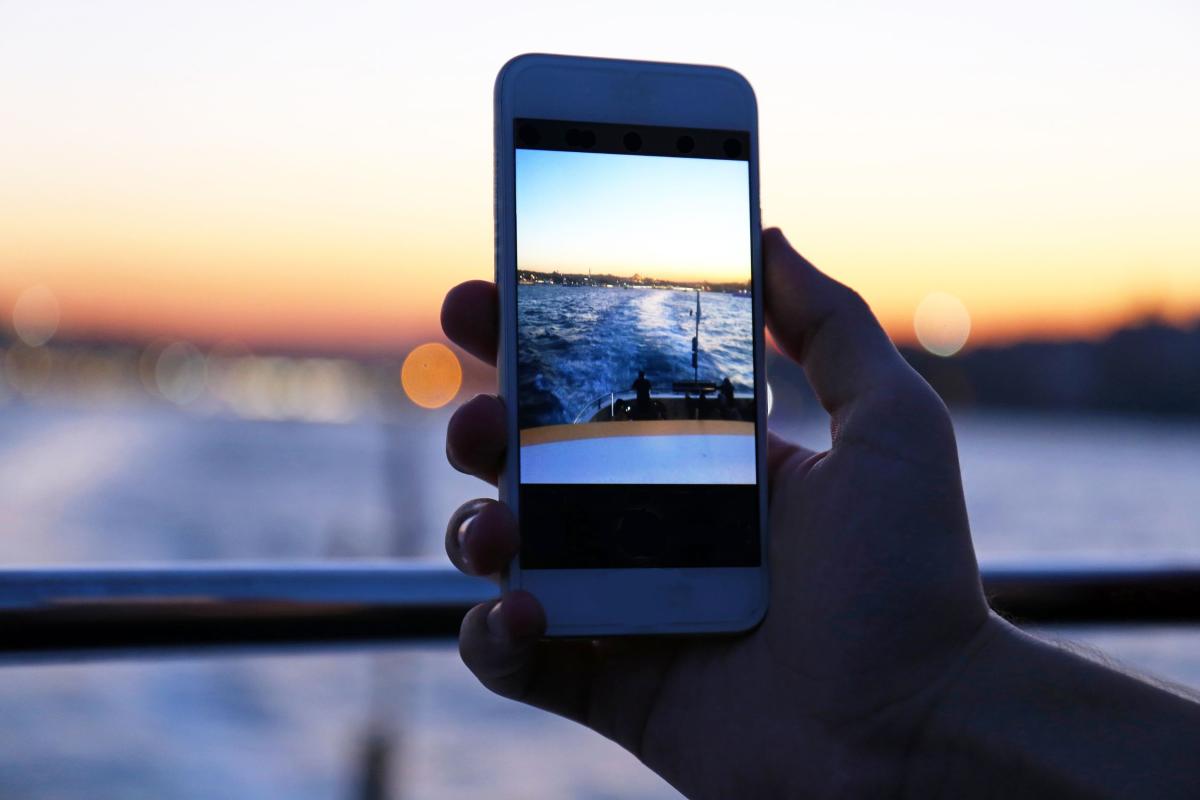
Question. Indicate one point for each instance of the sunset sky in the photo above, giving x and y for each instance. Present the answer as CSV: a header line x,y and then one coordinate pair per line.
x,y
677,219
320,173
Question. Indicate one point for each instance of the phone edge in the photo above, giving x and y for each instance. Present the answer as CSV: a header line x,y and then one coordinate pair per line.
x,y
505,250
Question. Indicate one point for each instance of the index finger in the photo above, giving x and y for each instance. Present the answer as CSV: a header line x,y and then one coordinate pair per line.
x,y
471,318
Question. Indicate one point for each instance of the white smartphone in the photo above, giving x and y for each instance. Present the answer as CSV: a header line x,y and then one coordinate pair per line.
x,y
631,344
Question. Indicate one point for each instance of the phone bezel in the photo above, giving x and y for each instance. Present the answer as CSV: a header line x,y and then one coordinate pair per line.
x,y
598,602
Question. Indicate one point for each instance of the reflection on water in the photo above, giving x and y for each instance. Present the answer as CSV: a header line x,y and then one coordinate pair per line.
x,y
580,342
157,484
1049,486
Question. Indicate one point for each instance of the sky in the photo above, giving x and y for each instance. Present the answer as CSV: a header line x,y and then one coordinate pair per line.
x,y
321,172
676,219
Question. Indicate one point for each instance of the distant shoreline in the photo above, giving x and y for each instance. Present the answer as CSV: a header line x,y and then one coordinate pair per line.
x,y
533,277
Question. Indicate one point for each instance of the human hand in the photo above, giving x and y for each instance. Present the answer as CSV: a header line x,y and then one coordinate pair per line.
x,y
875,597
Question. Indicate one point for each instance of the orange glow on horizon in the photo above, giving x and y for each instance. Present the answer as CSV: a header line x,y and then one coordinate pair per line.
x,y
302,178
353,325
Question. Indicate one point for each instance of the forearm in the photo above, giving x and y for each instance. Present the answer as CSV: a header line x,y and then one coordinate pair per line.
x,y
1027,719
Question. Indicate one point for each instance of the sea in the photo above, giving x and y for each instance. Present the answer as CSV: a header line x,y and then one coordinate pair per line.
x,y
577,344
150,482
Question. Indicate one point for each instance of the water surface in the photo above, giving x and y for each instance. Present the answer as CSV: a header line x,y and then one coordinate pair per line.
x,y
579,343
154,483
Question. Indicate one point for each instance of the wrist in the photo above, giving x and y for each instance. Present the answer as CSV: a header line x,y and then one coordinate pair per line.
x,y
962,697
883,756
1027,718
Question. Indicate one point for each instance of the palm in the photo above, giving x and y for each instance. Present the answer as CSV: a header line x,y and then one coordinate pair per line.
x,y
874,587
844,600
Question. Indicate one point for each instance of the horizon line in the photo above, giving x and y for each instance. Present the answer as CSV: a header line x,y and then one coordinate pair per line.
x,y
635,275
362,347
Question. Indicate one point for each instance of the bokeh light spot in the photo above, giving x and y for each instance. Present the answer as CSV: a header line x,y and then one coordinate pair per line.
x,y
942,323
179,373
431,375
35,315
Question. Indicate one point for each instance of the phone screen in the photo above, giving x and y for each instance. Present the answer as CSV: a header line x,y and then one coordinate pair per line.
x,y
635,347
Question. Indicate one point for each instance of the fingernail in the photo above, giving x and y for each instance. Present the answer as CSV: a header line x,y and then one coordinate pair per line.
x,y
495,623
462,534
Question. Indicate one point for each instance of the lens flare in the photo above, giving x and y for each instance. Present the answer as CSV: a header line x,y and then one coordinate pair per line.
x,y
179,373
35,315
942,323
431,375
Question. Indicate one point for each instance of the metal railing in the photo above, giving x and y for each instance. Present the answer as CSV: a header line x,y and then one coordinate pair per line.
x,y
68,612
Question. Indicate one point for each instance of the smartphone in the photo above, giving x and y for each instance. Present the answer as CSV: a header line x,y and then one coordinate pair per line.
x,y
631,343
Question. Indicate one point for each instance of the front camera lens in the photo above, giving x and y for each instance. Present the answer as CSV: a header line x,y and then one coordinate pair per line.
x,y
633,142
733,148
685,144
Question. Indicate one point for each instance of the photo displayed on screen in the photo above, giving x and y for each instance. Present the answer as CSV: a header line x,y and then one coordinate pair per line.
x,y
634,319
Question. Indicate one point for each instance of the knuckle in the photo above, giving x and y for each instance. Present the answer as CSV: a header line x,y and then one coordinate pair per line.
x,y
854,303
917,402
452,453
853,299
924,398
468,638
456,419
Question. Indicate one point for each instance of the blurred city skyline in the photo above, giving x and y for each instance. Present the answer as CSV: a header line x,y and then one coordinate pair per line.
x,y
288,177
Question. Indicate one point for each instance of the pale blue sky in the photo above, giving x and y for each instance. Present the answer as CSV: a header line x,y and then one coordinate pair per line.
x,y
663,217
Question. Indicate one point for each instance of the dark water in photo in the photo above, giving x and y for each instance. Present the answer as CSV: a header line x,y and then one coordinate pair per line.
x,y
579,343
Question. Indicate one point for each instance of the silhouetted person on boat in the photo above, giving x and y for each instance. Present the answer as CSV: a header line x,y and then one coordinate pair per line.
x,y
643,408
879,670
725,400
726,389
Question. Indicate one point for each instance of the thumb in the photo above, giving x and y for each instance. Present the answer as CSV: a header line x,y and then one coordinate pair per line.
x,y
827,328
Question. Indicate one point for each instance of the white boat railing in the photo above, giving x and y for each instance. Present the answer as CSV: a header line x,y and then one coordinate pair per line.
x,y
608,399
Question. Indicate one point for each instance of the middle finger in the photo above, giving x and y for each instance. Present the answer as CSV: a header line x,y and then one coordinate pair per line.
x,y
476,437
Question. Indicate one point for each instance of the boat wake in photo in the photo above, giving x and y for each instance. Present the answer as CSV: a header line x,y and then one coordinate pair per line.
x,y
635,385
